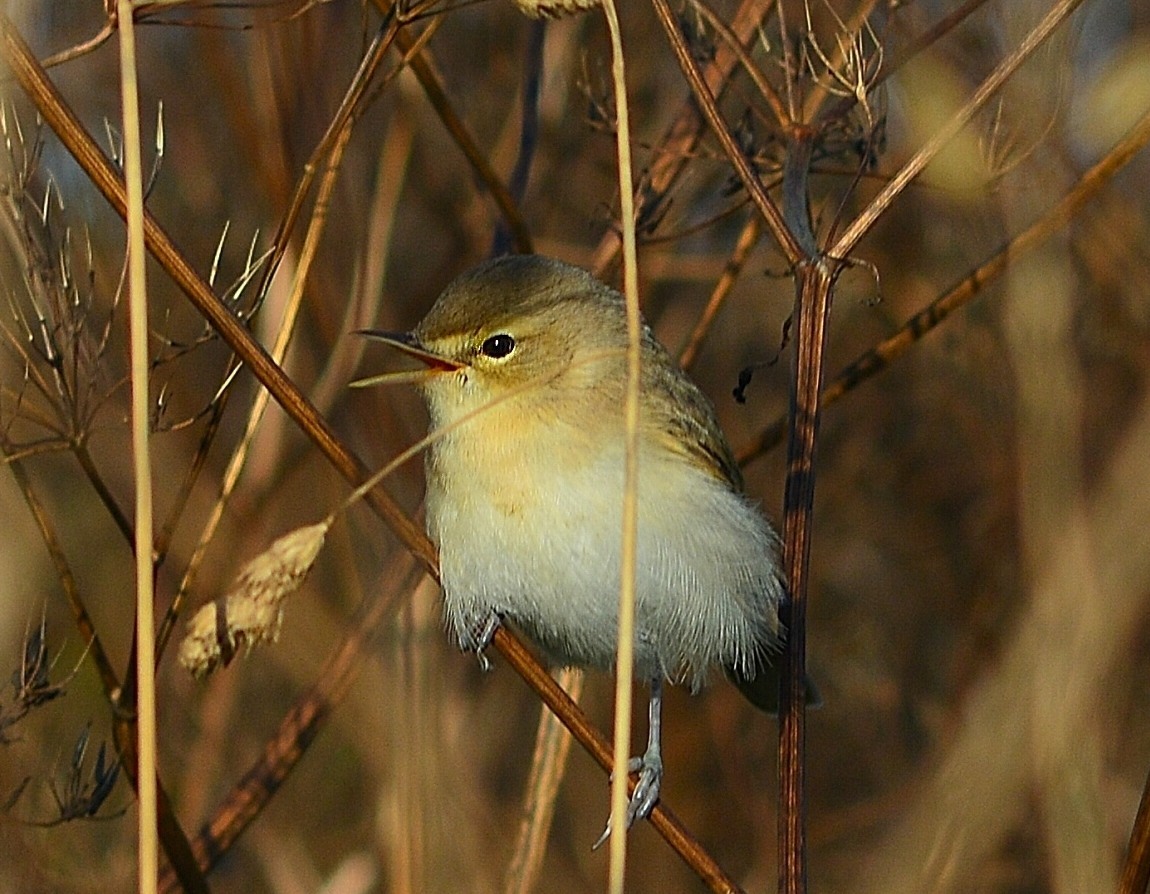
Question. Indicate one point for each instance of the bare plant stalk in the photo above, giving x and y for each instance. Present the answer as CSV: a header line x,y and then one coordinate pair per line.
x,y
336,130
552,747
813,292
625,661
148,854
748,238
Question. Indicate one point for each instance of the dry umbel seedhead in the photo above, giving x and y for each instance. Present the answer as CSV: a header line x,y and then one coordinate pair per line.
x,y
251,611
554,9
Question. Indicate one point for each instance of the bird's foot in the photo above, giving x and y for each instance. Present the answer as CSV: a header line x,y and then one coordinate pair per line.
x,y
480,637
646,792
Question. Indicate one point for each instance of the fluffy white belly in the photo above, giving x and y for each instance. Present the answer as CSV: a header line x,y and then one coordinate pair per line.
x,y
541,547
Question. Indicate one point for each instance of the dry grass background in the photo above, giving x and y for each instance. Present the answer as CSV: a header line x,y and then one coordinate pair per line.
x,y
981,562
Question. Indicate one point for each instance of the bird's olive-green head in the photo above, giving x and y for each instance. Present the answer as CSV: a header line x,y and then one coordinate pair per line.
x,y
522,319
524,328
547,342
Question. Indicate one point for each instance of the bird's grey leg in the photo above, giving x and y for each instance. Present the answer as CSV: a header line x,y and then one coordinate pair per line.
x,y
649,766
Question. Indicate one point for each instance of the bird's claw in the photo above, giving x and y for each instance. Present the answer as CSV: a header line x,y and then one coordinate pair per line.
x,y
645,794
482,636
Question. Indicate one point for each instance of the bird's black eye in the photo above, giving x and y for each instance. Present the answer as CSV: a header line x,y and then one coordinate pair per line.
x,y
498,346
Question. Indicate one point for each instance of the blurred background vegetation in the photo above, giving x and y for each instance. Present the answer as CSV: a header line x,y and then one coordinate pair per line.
x,y
981,559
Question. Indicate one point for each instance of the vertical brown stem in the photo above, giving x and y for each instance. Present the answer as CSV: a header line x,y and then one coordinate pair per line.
x,y
811,314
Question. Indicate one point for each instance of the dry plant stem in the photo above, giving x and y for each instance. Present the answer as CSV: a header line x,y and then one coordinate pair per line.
x,y
625,653
187,484
369,289
859,227
336,130
813,293
424,68
1136,869
747,240
765,88
432,85
811,315
164,538
548,761
528,130
769,211
92,473
94,42
812,309
92,643
147,854
890,349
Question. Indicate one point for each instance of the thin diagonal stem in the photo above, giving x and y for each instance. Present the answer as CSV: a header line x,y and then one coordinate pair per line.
x,y
861,225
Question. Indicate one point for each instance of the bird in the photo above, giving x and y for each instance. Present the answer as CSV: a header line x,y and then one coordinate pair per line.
x,y
523,371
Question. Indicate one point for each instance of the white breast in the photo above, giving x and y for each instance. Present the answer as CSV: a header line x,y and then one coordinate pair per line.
x,y
535,535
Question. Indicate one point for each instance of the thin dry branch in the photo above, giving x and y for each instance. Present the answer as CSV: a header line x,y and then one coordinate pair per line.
x,y
748,238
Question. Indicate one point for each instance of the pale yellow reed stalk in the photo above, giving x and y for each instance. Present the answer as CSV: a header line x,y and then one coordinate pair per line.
x,y
148,856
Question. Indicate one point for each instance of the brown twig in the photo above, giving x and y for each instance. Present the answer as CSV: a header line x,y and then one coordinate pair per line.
x,y
813,293
748,238
349,105
423,66
87,629
1136,869
765,88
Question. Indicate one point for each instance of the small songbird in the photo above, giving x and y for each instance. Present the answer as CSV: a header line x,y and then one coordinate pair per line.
x,y
525,371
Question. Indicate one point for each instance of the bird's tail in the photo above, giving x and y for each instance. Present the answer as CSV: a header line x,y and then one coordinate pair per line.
x,y
762,686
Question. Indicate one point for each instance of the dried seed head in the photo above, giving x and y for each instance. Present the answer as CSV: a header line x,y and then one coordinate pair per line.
x,y
554,9
251,611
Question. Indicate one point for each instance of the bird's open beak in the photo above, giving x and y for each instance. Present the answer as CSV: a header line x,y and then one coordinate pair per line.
x,y
406,343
